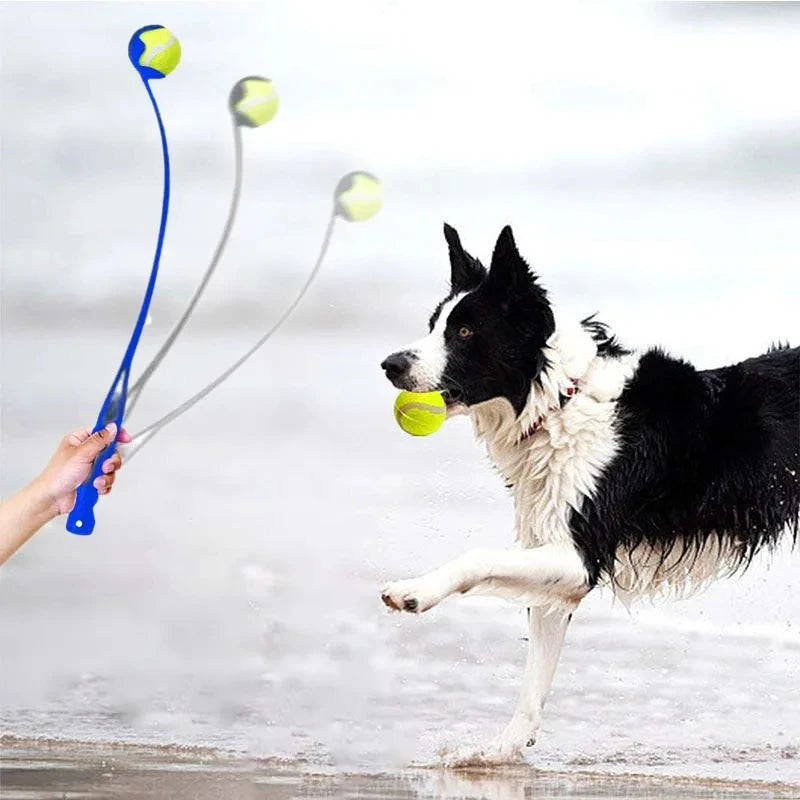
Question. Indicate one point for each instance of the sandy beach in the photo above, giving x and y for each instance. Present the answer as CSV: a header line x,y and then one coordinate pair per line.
x,y
41,770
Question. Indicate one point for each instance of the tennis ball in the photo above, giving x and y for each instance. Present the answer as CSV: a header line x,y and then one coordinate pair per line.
x,y
358,196
420,413
154,51
253,101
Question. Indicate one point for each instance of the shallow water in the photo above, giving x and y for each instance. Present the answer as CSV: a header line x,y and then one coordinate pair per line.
x,y
229,597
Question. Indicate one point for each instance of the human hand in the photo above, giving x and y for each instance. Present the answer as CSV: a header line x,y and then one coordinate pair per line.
x,y
71,465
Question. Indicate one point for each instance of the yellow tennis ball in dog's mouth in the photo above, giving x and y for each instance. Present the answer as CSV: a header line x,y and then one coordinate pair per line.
x,y
420,413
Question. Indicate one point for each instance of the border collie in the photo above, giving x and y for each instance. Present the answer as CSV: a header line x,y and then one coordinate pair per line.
x,y
638,472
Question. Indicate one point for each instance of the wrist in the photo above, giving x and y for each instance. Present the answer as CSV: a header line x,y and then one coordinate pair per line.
x,y
41,502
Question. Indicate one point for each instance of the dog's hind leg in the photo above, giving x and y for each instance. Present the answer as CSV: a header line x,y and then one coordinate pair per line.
x,y
552,575
546,630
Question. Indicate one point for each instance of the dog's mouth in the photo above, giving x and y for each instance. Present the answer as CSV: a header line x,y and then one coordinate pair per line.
x,y
454,401
451,396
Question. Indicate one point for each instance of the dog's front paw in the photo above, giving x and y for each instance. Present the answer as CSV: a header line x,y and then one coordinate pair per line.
x,y
414,595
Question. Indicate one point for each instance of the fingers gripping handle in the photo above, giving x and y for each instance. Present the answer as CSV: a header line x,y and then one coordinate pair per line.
x,y
81,518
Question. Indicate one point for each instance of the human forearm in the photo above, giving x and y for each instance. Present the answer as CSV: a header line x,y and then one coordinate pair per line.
x,y
21,515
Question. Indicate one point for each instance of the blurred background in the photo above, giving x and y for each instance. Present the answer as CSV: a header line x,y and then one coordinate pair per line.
x,y
648,157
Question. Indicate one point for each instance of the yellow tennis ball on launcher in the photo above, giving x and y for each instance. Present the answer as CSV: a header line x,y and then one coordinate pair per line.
x,y
253,101
420,413
154,51
358,196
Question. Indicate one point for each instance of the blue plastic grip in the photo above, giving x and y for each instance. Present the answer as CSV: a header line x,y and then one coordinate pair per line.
x,y
81,519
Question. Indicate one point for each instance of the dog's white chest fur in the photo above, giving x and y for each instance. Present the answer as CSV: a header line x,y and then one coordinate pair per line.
x,y
555,468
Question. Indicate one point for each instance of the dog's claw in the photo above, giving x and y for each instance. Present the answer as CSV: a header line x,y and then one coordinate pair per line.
x,y
410,604
530,743
387,601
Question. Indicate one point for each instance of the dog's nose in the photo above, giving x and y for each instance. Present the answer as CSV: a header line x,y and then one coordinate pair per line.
x,y
395,365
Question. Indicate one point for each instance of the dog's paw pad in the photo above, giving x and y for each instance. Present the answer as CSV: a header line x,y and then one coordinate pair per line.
x,y
395,597
406,596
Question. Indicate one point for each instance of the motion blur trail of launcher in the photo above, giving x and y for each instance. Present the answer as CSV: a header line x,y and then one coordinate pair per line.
x,y
252,103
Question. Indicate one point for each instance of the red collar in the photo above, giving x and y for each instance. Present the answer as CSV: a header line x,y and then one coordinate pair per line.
x,y
569,392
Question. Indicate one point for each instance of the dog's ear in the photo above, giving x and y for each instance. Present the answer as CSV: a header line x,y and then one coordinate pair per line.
x,y
509,273
466,272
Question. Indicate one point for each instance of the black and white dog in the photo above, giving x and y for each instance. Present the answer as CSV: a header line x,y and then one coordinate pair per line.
x,y
638,472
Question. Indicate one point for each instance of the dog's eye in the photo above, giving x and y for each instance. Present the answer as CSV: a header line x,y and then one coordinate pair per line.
x,y
464,332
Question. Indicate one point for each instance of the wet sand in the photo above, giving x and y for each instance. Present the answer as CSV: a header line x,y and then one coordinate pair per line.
x,y
43,769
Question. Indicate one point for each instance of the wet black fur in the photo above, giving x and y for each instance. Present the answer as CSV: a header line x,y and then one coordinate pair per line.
x,y
703,454
607,344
